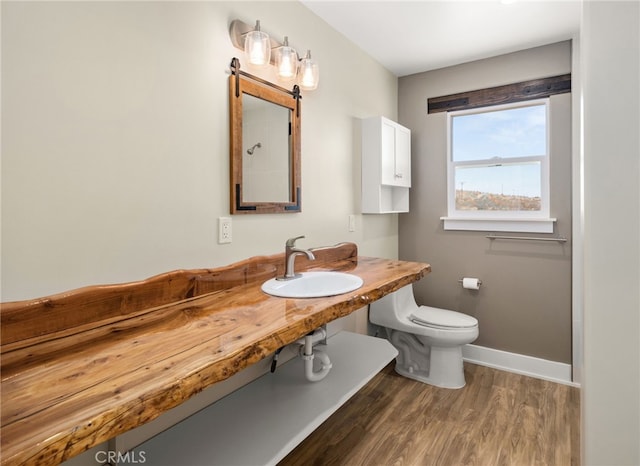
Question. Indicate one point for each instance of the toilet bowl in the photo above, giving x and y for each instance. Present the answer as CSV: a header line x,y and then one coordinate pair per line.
x,y
429,340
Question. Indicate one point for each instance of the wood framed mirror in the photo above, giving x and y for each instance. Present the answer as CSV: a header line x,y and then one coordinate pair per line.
x,y
265,145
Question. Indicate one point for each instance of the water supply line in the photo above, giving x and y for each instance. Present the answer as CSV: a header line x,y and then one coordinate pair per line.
x,y
308,355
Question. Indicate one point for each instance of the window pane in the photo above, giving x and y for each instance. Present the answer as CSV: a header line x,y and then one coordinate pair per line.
x,y
498,187
517,132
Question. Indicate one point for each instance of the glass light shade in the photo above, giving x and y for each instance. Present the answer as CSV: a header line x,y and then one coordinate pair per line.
x,y
257,47
286,61
308,74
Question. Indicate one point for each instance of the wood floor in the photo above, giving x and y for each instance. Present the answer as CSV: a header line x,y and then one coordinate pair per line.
x,y
499,418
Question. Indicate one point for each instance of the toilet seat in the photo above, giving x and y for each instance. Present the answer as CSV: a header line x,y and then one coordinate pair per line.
x,y
441,318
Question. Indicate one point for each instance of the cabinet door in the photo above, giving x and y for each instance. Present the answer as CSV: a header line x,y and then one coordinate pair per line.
x,y
395,155
402,168
387,153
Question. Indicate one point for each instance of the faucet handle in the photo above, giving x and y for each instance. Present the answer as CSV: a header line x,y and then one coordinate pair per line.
x,y
291,242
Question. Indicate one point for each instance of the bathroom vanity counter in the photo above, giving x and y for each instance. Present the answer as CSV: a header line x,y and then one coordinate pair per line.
x,y
81,367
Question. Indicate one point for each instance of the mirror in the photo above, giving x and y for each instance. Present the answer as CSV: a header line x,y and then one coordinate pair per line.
x,y
265,146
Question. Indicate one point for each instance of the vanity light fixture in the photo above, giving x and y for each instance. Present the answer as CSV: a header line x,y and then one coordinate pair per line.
x,y
308,76
286,61
258,46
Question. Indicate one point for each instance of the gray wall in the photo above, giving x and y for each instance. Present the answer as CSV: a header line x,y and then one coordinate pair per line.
x,y
524,304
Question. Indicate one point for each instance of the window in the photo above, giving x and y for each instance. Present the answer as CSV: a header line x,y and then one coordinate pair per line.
x,y
498,168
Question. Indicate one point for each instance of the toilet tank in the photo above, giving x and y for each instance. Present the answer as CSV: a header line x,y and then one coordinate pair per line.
x,y
394,307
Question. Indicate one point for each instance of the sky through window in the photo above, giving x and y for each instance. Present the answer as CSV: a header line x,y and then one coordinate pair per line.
x,y
493,140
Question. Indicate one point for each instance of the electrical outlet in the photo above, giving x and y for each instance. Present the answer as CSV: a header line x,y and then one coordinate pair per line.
x,y
352,222
224,230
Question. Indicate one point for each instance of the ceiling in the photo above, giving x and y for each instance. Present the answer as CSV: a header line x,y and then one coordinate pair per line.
x,y
409,37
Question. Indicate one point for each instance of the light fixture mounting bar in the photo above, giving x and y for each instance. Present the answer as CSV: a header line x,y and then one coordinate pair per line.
x,y
237,31
235,69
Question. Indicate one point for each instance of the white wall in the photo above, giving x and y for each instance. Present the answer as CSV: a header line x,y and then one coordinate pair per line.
x,y
115,147
610,57
115,163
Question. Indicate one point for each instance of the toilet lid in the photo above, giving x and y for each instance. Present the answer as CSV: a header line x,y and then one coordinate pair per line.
x,y
441,318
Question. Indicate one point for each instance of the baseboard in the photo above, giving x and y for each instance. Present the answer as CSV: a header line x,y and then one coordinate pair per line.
x,y
519,364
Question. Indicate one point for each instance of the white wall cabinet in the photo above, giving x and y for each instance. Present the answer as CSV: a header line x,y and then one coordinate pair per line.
x,y
386,166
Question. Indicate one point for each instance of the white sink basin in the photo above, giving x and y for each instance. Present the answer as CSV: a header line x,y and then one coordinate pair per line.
x,y
313,285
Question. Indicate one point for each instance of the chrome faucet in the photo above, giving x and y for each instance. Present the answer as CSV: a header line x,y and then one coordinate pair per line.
x,y
290,253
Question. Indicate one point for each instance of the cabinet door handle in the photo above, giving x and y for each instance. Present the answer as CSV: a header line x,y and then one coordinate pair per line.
x,y
398,175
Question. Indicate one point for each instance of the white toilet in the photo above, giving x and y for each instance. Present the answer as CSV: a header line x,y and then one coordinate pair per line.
x,y
429,340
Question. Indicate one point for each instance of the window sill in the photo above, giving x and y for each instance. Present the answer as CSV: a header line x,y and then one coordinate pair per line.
x,y
528,225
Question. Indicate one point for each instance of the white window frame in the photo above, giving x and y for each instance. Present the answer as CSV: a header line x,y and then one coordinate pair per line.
x,y
516,221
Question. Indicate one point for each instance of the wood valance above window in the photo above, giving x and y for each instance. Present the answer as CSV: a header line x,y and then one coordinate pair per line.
x,y
518,92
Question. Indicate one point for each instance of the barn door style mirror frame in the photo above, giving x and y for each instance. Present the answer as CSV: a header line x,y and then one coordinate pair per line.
x,y
264,145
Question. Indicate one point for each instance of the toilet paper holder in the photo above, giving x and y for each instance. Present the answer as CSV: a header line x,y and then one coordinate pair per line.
x,y
461,281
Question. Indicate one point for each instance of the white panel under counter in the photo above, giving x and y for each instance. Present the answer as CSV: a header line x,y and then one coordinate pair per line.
x,y
262,422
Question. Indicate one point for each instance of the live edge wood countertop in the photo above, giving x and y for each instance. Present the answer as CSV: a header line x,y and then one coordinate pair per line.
x,y
81,367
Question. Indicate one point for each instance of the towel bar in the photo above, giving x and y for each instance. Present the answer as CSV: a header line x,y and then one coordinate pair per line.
x,y
559,239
